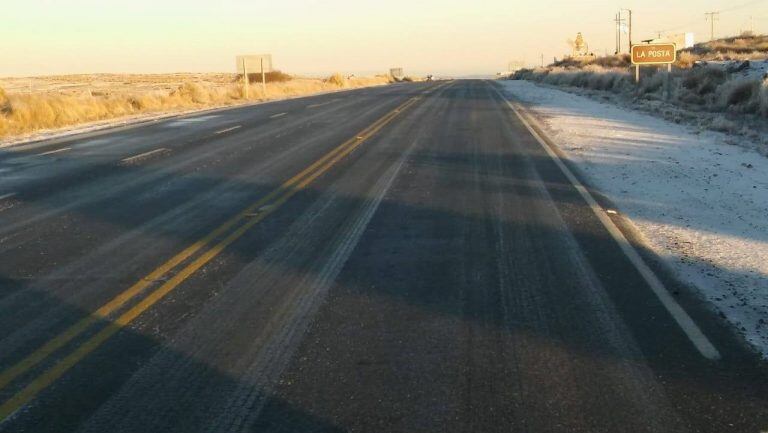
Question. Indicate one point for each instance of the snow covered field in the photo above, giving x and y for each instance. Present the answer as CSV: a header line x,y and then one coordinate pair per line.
x,y
701,204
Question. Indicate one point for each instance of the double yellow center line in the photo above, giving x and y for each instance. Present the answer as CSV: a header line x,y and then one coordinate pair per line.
x,y
231,230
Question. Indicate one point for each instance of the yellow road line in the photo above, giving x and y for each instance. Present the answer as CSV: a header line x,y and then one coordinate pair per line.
x,y
121,299
275,199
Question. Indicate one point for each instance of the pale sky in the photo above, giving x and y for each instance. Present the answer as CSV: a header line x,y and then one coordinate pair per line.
x,y
43,37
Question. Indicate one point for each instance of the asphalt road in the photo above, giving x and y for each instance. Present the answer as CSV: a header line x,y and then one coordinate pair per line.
x,y
407,258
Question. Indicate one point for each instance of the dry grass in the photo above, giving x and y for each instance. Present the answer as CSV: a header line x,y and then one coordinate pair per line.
x,y
743,45
269,77
23,113
590,77
694,86
702,88
337,80
736,48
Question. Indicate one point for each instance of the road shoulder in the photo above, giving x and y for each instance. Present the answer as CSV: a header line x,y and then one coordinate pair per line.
x,y
697,202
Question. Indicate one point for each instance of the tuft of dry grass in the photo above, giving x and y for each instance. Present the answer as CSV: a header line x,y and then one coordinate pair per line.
x,y
590,77
22,113
337,80
744,95
686,60
734,46
269,77
706,88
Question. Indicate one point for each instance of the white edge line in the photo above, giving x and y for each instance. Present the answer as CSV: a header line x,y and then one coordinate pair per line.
x,y
51,152
694,333
144,155
321,104
275,116
6,196
228,129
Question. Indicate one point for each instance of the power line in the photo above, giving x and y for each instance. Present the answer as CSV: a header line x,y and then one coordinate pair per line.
x,y
743,5
730,9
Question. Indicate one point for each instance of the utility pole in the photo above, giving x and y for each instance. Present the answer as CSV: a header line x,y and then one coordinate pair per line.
x,y
618,22
542,60
712,17
630,28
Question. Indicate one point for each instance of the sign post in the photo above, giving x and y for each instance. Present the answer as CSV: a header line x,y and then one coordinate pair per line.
x,y
263,78
261,62
245,80
655,54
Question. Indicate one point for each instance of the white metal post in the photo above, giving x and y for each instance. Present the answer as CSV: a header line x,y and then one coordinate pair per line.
x,y
263,78
245,80
669,82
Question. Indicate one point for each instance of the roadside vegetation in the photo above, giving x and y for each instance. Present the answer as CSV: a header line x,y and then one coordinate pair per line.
x,y
67,102
727,79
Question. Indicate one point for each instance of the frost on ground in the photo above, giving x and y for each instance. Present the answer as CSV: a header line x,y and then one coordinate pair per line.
x,y
701,204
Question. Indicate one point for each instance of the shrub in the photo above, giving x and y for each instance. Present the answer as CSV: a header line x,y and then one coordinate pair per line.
x,y
763,98
337,80
742,95
270,77
720,123
192,92
653,84
5,103
704,80
617,61
686,60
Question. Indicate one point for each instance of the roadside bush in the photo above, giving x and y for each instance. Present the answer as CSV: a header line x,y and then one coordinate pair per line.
x,y
5,110
192,92
617,61
270,77
741,95
764,97
704,80
337,80
721,124
5,103
686,60
653,84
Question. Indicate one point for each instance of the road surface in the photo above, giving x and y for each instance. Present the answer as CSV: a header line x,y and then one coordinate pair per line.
x,y
407,258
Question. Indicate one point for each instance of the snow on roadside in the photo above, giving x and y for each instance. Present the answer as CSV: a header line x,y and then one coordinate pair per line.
x,y
701,204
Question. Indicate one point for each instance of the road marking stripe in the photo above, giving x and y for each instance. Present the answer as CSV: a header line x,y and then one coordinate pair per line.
x,y
275,116
9,195
139,157
228,129
51,152
60,340
265,206
686,323
322,104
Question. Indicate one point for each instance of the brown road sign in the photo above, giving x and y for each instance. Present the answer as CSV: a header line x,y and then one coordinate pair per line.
x,y
654,54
